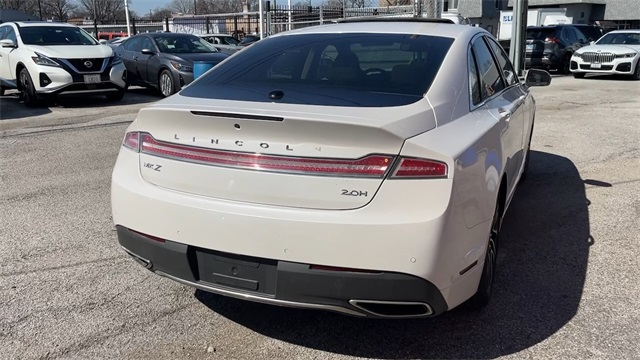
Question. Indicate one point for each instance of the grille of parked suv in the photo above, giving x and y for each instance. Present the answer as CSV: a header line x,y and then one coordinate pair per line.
x,y
87,65
593,57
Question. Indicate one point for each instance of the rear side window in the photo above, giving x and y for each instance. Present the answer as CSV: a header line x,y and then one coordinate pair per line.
x,y
132,44
490,80
474,83
508,72
370,70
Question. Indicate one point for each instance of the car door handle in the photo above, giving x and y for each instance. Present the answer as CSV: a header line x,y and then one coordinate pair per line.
x,y
504,114
521,100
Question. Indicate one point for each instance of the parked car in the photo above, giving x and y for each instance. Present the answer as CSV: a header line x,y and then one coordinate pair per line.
x,y
166,60
618,52
551,47
223,42
249,40
309,170
44,60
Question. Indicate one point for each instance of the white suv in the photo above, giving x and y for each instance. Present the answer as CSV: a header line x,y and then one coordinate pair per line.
x,y
43,60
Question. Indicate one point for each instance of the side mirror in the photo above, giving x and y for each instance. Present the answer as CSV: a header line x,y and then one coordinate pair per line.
x,y
102,42
537,77
7,43
148,52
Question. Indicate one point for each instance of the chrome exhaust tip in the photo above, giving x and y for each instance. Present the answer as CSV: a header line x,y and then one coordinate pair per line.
x,y
140,260
393,309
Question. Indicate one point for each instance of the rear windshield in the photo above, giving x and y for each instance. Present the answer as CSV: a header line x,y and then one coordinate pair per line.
x,y
539,34
371,70
590,32
55,35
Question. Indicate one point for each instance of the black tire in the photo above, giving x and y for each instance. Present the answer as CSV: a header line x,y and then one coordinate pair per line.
x,y
116,95
482,296
27,90
578,75
636,74
166,84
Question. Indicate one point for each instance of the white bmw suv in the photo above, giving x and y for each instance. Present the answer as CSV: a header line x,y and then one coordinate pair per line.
x,y
44,59
359,167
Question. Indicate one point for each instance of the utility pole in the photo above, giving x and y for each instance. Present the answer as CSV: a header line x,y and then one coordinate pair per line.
x,y
40,9
519,32
126,11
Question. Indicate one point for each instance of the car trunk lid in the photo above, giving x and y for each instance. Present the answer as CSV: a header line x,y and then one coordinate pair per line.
x,y
275,154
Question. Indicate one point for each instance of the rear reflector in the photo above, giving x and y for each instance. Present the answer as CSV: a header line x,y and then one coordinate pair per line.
x,y
374,166
419,168
150,237
342,269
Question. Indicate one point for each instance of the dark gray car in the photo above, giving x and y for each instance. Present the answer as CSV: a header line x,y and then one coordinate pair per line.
x,y
165,60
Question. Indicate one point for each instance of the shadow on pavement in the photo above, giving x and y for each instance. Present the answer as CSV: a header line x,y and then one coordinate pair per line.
x,y
11,107
541,274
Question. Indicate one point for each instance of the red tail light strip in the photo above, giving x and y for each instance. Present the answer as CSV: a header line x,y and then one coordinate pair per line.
x,y
374,166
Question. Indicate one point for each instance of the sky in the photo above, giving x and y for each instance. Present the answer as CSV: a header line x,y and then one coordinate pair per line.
x,y
143,6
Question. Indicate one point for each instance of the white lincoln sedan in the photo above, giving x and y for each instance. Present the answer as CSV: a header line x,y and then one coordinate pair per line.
x,y
359,167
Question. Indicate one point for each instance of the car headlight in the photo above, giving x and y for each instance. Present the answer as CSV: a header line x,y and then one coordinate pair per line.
x,y
43,60
181,67
579,56
116,59
623,56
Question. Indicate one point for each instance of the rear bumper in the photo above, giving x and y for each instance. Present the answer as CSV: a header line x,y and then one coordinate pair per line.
x,y
375,294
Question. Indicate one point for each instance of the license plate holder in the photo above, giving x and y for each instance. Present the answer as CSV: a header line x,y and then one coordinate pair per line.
x,y
239,272
92,79
596,66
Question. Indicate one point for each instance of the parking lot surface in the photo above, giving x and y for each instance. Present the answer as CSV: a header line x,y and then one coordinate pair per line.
x,y
567,287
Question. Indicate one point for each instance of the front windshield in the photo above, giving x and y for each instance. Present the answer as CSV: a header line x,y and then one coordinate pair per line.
x,y
229,40
55,35
183,45
620,39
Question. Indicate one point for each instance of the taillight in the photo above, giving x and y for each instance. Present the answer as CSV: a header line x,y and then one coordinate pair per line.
x,y
413,168
552,40
374,166
132,141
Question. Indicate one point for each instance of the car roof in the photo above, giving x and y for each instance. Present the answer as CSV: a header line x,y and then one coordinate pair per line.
x,y
165,34
43,23
634,31
391,26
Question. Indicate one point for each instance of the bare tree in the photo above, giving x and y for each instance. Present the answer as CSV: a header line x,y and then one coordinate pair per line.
x,y
27,6
160,13
57,9
182,6
104,10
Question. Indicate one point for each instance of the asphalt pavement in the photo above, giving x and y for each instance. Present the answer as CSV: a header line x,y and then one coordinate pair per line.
x,y
568,284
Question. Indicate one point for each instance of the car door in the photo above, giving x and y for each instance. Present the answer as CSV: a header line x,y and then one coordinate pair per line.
x,y
142,60
523,106
128,52
504,103
7,75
